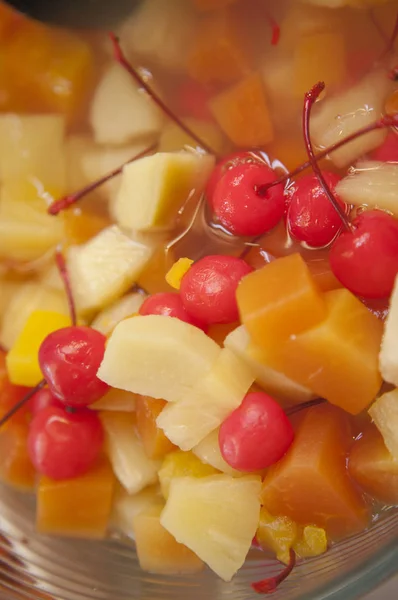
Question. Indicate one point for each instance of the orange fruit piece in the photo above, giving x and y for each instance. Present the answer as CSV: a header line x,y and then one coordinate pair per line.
x,y
155,443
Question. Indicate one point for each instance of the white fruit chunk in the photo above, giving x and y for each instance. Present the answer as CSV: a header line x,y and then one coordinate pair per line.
x,y
126,307
208,451
154,188
122,112
388,362
272,381
32,146
371,184
338,116
130,464
157,356
105,267
127,506
384,413
206,406
116,400
216,517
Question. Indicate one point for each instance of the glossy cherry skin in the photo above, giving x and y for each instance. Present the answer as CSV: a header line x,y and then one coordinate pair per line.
x,y
208,289
168,305
69,359
239,204
224,165
388,151
365,260
256,435
311,218
64,445
41,400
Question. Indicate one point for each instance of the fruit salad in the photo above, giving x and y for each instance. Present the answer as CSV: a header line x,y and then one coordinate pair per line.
x,y
199,278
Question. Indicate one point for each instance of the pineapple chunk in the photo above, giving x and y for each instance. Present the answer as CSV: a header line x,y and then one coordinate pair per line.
x,y
181,464
216,517
313,542
374,184
26,144
174,139
126,507
384,413
277,534
121,111
130,464
104,268
8,288
338,116
302,20
208,450
204,408
157,356
388,360
272,381
116,400
111,316
156,187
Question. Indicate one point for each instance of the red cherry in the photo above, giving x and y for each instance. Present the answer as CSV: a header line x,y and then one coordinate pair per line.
x,y
240,205
365,260
69,359
193,100
64,445
256,435
311,218
227,163
388,151
208,289
41,400
168,305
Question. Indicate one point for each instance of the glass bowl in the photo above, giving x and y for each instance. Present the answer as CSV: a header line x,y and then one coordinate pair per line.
x,y
40,567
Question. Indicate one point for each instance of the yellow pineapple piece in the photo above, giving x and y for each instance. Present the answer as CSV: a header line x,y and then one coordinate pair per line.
x,y
127,506
278,534
312,542
182,464
177,272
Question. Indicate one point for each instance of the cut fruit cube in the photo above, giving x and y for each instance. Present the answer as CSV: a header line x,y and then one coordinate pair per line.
x,y
79,507
16,468
243,114
384,413
388,353
155,188
311,483
157,550
277,534
116,400
208,451
337,117
203,409
23,359
122,112
174,139
181,464
177,272
216,517
157,356
155,443
312,542
126,507
122,309
104,268
130,464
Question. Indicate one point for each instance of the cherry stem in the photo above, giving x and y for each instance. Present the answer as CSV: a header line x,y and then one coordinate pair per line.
x,y
304,405
276,30
309,100
22,402
63,271
66,201
121,59
270,585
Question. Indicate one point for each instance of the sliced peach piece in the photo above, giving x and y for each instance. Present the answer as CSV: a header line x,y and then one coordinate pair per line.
x,y
155,443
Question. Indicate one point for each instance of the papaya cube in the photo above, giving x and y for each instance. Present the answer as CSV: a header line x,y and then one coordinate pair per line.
x,y
78,507
279,300
243,113
311,484
155,443
338,358
277,534
16,468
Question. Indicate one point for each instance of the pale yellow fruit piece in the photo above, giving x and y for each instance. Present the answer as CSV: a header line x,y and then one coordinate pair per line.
x,y
206,406
177,272
132,467
22,241
312,542
277,534
216,517
302,19
116,400
181,464
8,288
388,360
157,356
153,189
384,413
76,146
173,138
105,267
208,450
129,305
272,381
126,507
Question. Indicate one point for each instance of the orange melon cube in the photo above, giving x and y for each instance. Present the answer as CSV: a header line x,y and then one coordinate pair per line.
x,y
16,468
155,443
78,507
279,300
82,225
243,114
10,20
311,484
206,5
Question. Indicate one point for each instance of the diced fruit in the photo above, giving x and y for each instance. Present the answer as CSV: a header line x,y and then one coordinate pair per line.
x,y
313,542
155,443
277,534
277,76
279,300
154,188
208,451
16,468
81,226
76,147
311,483
122,309
126,507
384,413
388,354
121,112
79,507
23,241
177,272
182,464
116,400
174,139
130,464
105,267
243,114
170,357
216,517
373,467
338,116
22,360
212,399
157,550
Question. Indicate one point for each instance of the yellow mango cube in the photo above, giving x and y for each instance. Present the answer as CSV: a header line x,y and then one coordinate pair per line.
x,y
22,360
312,542
177,272
277,534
